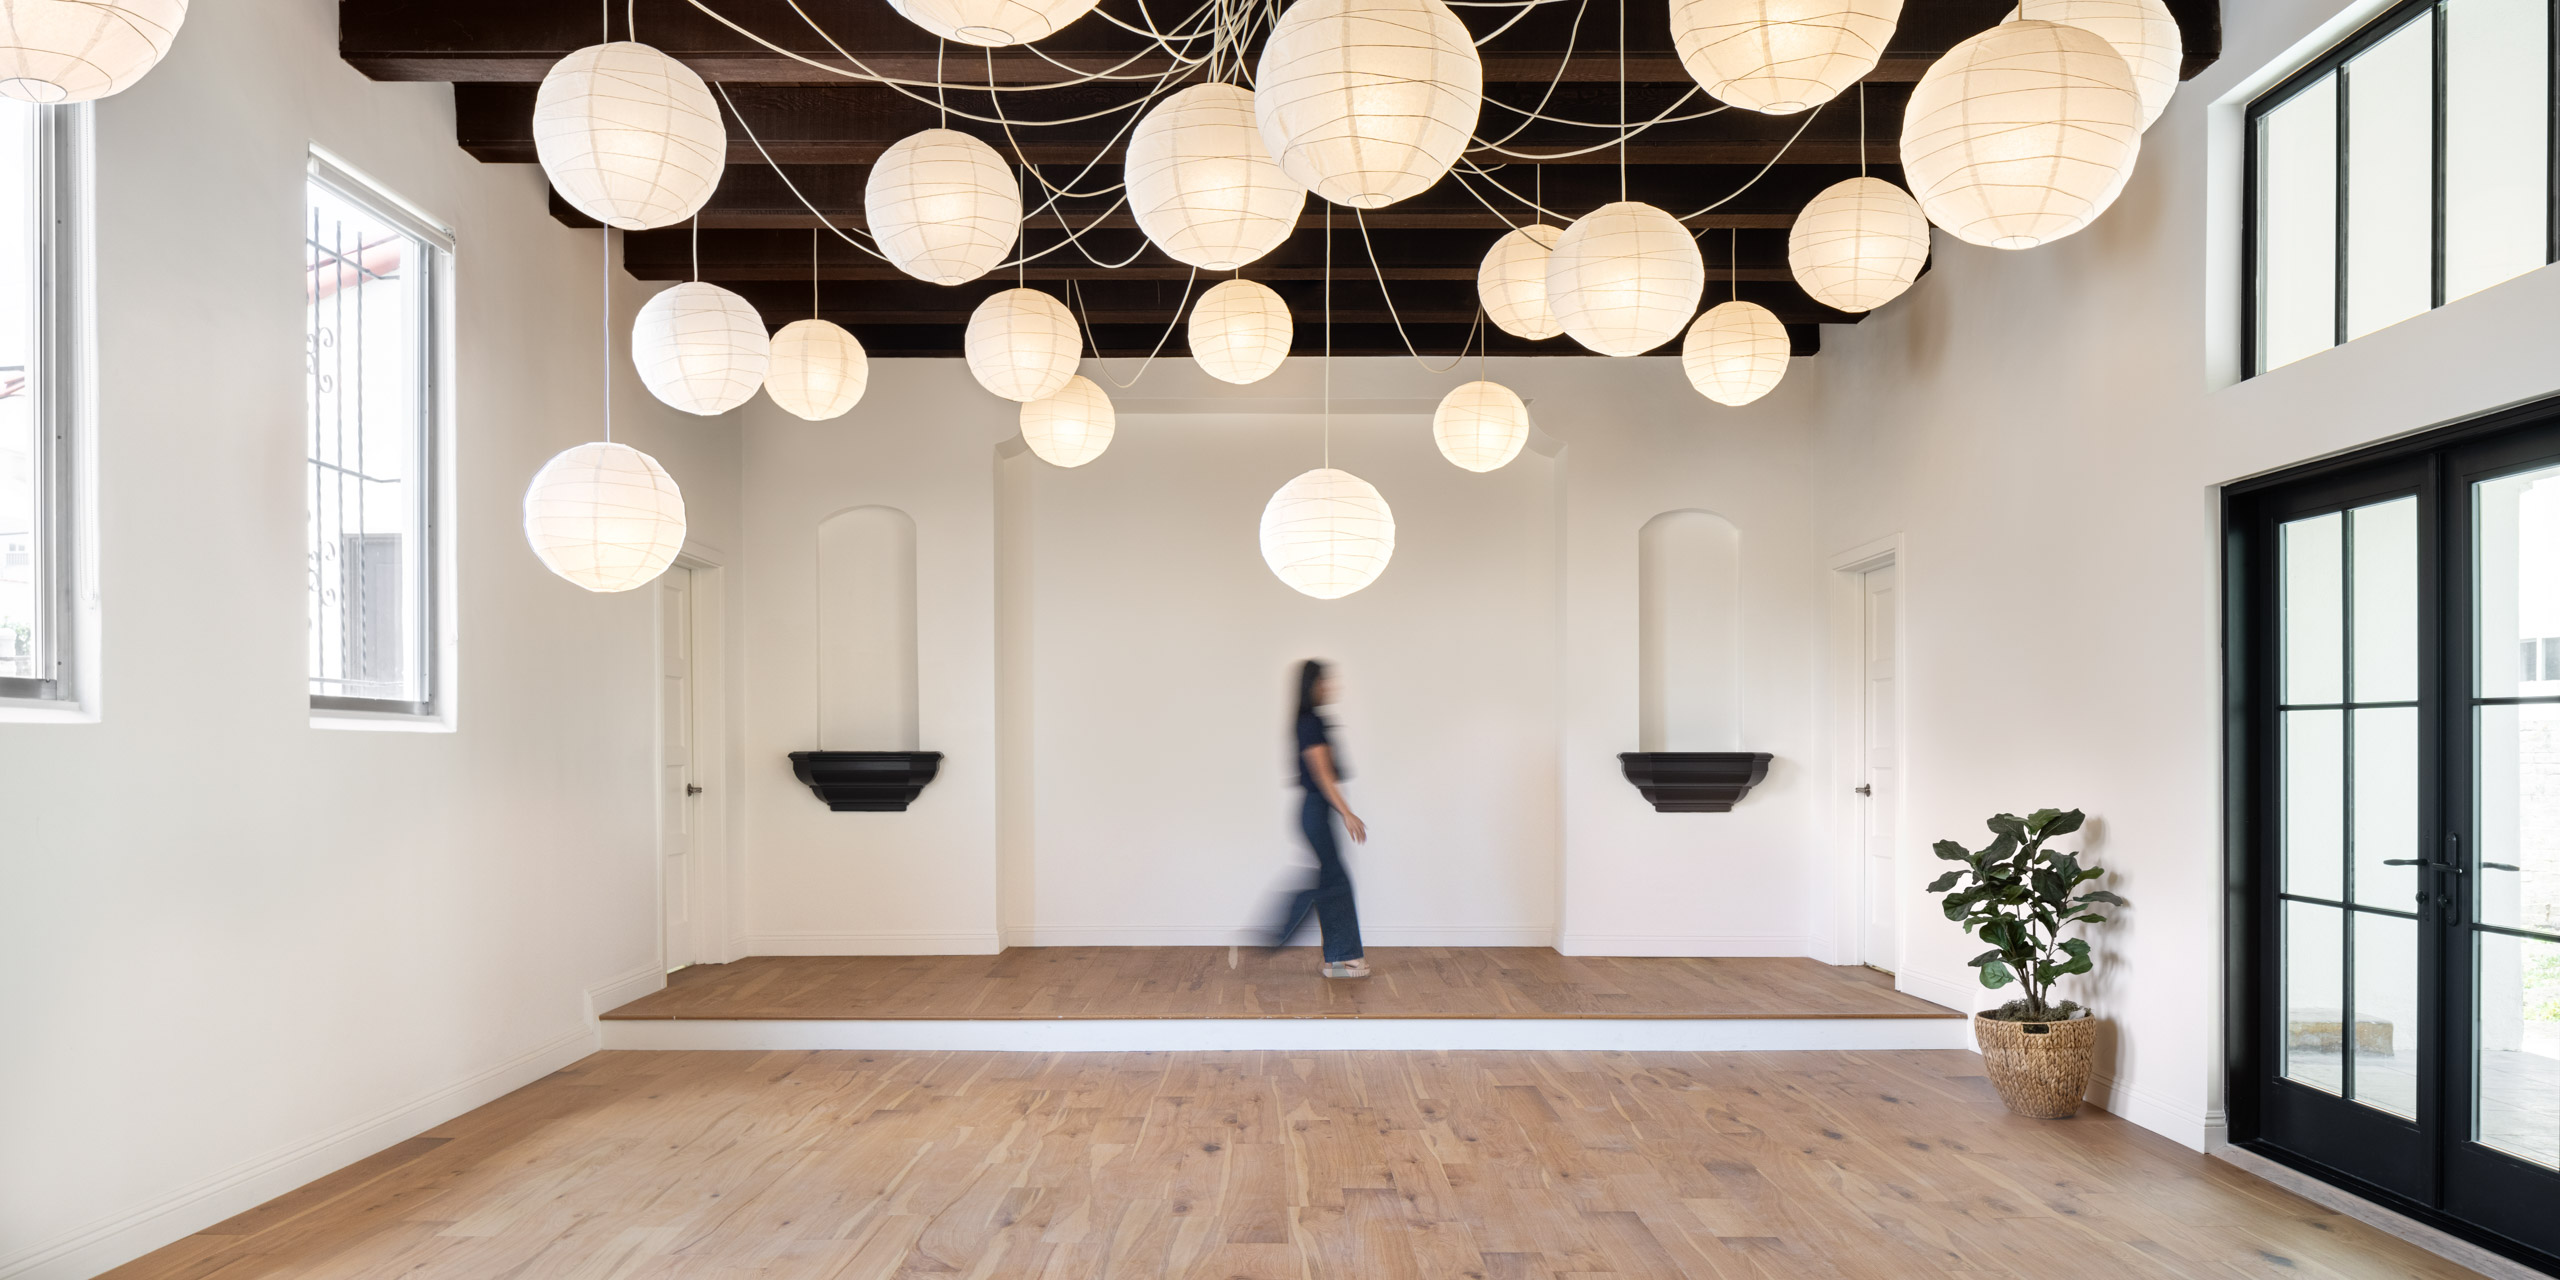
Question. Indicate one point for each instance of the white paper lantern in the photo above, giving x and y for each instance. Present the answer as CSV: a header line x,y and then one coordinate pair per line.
x,y
1781,56
1201,184
1240,331
2144,31
1367,102
1859,244
1624,278
700,348
819,371
604,516
2020,135
943,206
992,23
1512,283
1481,425
1022,344
1071,428
79,50
1735,353
1328,533
628,135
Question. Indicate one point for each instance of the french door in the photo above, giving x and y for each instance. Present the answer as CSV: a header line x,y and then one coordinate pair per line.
x,y
2395,782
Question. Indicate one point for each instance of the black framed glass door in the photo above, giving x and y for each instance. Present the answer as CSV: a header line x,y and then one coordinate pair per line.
x,y
2395,825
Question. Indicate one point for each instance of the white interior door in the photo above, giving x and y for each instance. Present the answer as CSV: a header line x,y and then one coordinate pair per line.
x,y
1879,933
677,791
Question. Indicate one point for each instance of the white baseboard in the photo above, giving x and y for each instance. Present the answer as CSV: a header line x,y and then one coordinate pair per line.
x,y
2451,1248
869,944
2189,1126
1959,996
1681,944
1388,935
88,1250
614,993
1161,1035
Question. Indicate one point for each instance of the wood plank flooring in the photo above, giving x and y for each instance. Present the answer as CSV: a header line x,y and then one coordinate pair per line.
x,y
1255,1166
1196,982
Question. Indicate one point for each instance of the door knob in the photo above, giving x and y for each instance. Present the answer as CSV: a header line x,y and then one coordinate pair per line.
x,y
692,790
1865,790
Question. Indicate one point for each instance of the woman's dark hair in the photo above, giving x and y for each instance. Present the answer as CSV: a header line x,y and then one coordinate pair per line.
x,y
1309,672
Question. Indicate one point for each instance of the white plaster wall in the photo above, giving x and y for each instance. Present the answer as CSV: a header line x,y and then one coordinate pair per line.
x,y
241,951
1105,665
2047,430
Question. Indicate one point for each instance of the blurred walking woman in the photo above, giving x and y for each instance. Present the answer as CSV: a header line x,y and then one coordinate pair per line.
x,y
1320,775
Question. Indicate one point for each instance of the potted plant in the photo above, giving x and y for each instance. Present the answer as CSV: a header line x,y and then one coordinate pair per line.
x,y
2019,896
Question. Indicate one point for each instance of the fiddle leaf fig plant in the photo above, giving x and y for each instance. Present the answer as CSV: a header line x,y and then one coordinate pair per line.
x,y
2019,896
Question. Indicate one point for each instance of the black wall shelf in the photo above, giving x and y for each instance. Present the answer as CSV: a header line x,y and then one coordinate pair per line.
x,y
866,781
1694,781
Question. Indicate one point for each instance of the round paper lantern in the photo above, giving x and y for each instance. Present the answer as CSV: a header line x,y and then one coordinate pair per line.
x,y
1859,244
819,371
2019,135
1481,426
1735,353
1240,331
1367,102
943,206
604,516
78,50
2144,31
992,23
1781,56
1624,278
700,348
1022,344
1512,283
1328,533
1202,186
1071,428
628,135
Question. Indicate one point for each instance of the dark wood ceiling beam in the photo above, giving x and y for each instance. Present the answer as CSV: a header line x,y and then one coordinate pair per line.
x,y
514,40
1125,346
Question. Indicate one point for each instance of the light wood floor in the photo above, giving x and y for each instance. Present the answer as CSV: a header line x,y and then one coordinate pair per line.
x,y
1482,1166
1195,982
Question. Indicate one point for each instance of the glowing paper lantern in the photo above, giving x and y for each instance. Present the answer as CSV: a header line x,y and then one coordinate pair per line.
x,y
1367,102
700,348
1735,353
1240,331
1201,184
1781,56
73,51
943,206
1481,425
819,371
628,135
1512,283
2022,134
1859,244
1071,428
604,516
992,23
2144,31
1022,344
1328,533
1624,278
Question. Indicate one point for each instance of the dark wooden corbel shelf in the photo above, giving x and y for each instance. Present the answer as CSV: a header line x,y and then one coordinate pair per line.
x,y
866,781
1694,781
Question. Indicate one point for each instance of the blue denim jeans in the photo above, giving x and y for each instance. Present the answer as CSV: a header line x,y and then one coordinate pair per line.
x,y
1329,898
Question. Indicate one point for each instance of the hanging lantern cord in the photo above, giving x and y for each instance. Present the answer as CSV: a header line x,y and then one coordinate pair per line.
x,y
697,248
1862,128
814,309
607,326
1622,99
1733,264
1328,333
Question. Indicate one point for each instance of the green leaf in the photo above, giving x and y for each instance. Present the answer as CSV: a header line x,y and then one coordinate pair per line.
x,y
2101,895
2007,824
2042,818
1985,958
1947,881
1996,975
1951,851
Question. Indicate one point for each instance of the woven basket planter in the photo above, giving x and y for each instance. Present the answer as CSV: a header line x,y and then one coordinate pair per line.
x,y
2040,1068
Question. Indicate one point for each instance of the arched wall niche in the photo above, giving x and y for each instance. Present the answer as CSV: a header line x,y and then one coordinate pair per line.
x,y
1689,633
867,630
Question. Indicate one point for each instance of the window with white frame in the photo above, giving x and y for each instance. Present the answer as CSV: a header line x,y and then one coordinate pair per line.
x,y
375,284
2409,166
41,222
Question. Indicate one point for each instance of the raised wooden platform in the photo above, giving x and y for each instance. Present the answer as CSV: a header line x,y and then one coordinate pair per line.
x,y
1038,999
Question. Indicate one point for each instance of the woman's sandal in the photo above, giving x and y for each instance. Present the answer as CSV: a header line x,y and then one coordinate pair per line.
x,y
1351,969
